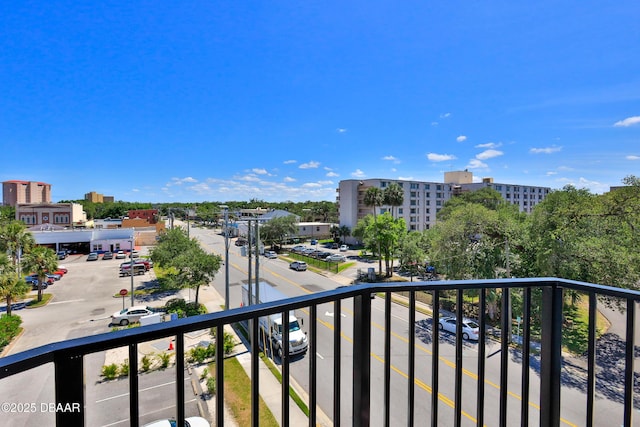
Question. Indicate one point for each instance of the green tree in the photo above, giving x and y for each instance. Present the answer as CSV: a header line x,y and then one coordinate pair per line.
x,y
344,232
187,264
277,229
393,196
374,197
15,238
39,260
12,287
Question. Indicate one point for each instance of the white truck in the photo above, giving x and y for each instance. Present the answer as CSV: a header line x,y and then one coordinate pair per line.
x,y
270,331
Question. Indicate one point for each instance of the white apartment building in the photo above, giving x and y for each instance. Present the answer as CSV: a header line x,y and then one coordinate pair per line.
x,y
423,200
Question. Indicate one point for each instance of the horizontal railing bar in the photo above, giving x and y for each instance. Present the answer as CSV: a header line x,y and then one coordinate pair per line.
x,y
20,362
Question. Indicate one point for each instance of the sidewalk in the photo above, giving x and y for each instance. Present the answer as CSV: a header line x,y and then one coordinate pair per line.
x,y
270,387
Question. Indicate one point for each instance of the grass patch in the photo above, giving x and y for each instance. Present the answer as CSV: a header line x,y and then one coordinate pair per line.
x,y
35,303
276,373
237,394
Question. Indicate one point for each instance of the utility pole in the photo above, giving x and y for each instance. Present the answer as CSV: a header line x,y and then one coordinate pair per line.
x,y
226,256
257,260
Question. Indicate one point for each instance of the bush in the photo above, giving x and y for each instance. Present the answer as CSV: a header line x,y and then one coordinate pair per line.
x,y
183,308
229,343
124,368
146,363
110,371
204,374
164,359
9,329
211,385
199,354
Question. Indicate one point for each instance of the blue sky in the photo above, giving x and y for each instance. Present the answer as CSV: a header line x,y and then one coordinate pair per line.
x,y
165,101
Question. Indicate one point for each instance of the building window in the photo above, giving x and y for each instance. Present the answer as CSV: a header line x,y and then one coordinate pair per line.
x,y
413,194
439,187
414,186
426,186
427,202
438,203
400,211
413,210
412,227
97,247
412,202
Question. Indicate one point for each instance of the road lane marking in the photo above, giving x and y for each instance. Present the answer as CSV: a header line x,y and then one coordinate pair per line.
x,y
65,302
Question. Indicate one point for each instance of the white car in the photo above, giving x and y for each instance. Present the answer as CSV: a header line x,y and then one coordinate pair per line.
x,y
130,315
470,329
336,258
298,265
344,248
271,254
120,255
188,422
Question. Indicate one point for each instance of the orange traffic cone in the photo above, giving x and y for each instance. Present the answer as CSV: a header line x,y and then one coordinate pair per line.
x,y
170,345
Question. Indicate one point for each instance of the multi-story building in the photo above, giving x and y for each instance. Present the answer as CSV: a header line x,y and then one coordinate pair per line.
x,y
59,214
423,200
16,192
94,197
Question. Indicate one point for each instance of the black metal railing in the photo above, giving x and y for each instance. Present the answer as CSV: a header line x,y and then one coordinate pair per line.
x,y
68,357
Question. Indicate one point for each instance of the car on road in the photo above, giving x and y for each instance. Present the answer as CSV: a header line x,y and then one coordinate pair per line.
x,y
107,255
130,315
188,422
138,268
62,255
271,254
298,265
470,329
336,258
120,255
344,248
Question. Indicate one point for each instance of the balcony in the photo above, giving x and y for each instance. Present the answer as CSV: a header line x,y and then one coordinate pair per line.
x,y
435,379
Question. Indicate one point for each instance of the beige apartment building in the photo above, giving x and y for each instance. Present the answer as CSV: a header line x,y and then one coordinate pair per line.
x,y
423,200
16,192
66,215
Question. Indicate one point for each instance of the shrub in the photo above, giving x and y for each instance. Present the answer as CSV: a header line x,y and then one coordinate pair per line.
x,y
110,371
164,359
229,343
204,374
9,328
199,354
146,363
183,308
211,385
124,368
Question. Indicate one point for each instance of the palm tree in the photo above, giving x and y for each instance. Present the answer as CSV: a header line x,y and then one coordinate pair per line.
x,y
344,232
374,197
15,238
38,261
393,196
12,287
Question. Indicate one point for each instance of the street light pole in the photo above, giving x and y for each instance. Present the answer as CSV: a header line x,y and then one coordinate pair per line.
x,y
226,256
131,271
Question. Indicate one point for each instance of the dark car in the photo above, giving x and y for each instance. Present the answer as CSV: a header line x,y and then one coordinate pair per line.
x,y
107,255
62,254
34,284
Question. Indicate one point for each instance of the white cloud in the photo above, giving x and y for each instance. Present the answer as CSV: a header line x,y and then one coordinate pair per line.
x,y
259,171
546,150
445,115
434,157
476,164
325,182
288,162
391,159
289,179
405,178
489,145
632,157
434,123
250,178
311,185
552,173
358,174
461,138
489,154
310,165
180,181
332,174
629,121
341,130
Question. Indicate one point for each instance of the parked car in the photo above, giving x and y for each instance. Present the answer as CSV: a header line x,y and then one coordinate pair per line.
x,y
134,254
335,246
130,315
470,329
49,280
188,422
271,254
34,284
298,265
107,255
344,248
322,255
138,268
314,242
240,242
298,248
120,255
93,256
62,254
336,258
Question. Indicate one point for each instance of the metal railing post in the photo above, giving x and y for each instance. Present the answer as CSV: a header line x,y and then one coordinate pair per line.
x,y
551,356
362,361
69,389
